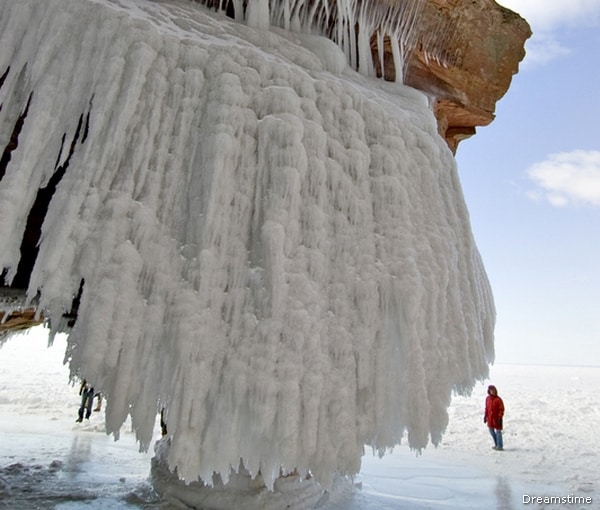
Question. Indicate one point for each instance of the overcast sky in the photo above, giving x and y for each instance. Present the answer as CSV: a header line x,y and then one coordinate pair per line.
x,y
532,183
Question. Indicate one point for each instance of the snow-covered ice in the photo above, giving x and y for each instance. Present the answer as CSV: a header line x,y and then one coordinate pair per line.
x,y
271,246
49,461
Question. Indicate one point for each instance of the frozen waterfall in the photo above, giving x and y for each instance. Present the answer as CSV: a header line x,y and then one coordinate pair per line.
x,y
267,244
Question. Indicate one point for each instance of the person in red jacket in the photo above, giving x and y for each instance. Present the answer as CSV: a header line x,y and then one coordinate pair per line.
x,y
494,412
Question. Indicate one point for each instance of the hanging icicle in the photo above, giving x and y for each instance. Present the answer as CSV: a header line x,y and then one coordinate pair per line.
x,y
351,24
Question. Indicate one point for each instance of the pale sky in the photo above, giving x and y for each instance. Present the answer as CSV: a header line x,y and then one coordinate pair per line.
x,y
532,184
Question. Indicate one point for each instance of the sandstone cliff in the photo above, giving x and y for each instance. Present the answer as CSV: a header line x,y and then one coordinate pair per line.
x,y
481,45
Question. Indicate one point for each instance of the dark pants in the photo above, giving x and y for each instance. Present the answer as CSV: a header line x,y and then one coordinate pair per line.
x,y
87,399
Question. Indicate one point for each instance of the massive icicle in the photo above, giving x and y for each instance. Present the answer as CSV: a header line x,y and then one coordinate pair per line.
x,y
272,247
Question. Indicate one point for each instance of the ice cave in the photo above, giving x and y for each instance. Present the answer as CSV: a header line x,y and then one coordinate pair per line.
x,y
239,223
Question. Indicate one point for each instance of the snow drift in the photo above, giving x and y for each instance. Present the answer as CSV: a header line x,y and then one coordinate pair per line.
x,y
267,244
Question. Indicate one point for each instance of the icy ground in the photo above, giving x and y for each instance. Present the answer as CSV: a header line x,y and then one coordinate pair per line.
x,y
48,461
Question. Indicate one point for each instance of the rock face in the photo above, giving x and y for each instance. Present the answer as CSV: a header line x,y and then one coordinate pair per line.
x,y
480,46
16,317
17,321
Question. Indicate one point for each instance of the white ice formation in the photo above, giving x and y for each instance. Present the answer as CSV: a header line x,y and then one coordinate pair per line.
x,y
266,243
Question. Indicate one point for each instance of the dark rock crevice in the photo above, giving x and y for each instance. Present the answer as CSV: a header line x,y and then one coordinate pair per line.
x,y
13,141
33,230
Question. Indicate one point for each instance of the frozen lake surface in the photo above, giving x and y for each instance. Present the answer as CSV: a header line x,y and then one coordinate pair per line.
x,y
47,460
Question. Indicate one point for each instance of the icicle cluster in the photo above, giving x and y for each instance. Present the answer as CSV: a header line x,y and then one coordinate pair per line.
x,y
277,255
352,24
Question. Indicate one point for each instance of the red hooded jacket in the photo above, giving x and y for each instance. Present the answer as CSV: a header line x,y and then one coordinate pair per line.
x,y
494,409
